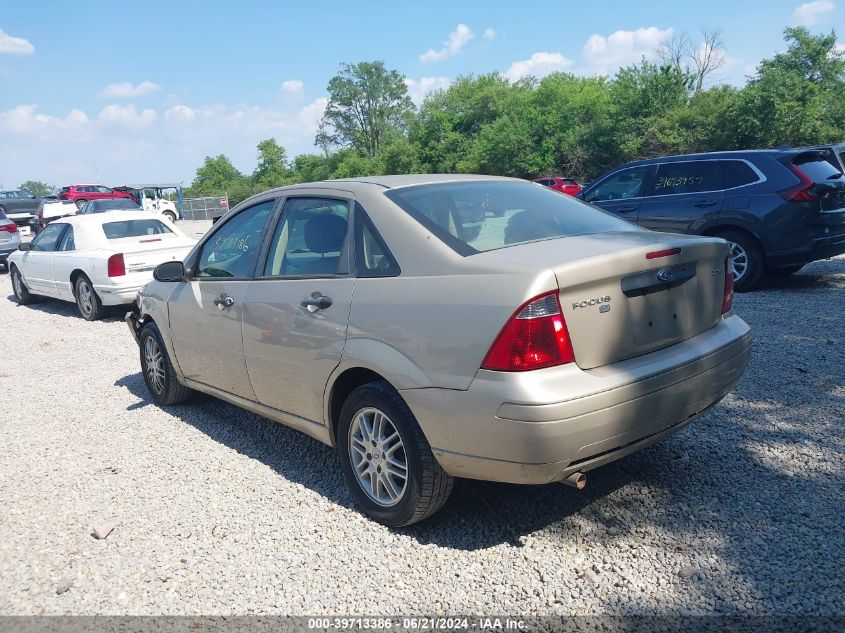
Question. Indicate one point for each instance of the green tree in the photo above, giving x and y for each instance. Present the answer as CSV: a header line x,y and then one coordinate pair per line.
x,y
366,103
37,188
272,169
216,175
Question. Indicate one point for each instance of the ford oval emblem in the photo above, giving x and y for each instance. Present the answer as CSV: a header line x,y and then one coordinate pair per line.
x,y
664,274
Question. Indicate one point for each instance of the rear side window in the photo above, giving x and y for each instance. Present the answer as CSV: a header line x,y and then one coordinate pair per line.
x,y
686,177
373,259
134,228
736,173
477,216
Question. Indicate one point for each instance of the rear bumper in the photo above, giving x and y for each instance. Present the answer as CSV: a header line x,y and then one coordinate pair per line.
x,y
821,248
112,295
542,426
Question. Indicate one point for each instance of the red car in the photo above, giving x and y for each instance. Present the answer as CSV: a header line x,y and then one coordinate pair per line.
x,y
564,185
80,194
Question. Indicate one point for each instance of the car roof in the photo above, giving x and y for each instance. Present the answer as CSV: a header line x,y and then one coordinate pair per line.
x,y
109,216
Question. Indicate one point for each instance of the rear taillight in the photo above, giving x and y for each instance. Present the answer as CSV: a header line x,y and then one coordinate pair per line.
x,y
533,338
800,192
116,267
9,228
728,296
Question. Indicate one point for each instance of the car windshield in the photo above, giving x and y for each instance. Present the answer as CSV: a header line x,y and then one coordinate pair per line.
x,y
484,215
118,204
134,228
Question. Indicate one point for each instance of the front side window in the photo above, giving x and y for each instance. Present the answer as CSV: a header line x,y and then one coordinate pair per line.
x,y
687,177
309,238
483,215
622,185
48,238
232,250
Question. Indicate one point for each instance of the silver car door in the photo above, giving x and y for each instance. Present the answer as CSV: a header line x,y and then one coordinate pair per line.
x,y
296,310
205,313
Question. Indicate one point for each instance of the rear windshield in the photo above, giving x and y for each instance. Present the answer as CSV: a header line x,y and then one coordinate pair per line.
x,y
118,204
134,228
817,169
484,215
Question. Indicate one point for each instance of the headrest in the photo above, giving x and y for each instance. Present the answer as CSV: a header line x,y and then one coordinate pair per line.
x,y
325,233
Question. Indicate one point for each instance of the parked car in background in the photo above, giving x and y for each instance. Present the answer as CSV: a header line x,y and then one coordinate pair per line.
x,y
95,260
10,239
51,208
20,207
835,153
80,194
113,204
530,349
564,185
778,209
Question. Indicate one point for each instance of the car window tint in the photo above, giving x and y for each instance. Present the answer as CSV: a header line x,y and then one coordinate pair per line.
x,y
232,249
48,238
484,215
818,170
134,228
373,259
627,183
736,173
67,243
309,238
686,177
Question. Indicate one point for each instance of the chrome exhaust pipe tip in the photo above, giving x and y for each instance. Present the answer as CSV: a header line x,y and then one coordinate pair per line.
x,y
576,480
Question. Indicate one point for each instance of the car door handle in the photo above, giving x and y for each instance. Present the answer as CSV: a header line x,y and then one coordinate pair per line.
x,y
224,301
704,203
316,302
627,209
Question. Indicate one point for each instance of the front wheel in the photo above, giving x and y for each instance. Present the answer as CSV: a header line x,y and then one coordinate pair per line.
x,y
159,375
80,203
745,260
89,304
22,294
385,459
170,216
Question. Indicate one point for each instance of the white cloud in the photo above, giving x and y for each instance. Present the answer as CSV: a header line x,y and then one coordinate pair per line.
x,y
489,34
292,86
418,90
127,116
127,89
125,144
451,47
15,45
538,65
839,48
603,55
809,13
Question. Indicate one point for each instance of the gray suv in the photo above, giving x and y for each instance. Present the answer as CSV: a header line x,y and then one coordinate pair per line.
x,y
433,327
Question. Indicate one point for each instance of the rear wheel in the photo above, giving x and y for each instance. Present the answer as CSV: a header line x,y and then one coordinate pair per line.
x,y
22,293
80,202
746,259
89,304
159,375
170,215
386,460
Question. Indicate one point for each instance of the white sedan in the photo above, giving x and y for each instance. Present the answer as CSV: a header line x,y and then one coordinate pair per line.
x,y
95,260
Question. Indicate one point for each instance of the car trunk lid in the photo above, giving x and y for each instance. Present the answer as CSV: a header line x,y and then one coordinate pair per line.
x,y
141,254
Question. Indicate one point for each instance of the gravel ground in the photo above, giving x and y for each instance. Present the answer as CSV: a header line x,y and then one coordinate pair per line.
x,y
218,511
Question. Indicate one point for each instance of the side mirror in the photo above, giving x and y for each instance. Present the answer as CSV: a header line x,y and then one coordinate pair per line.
x,y
24,246
169,271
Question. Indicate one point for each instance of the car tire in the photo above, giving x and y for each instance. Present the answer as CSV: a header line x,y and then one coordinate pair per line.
x,y
80,202
22,294
157,369
170,215
781,273
746,259
89,304
390,500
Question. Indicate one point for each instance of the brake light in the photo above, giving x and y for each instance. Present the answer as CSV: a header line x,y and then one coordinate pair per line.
x,y
116,267
801,191
9,228
665,253
533,338
728,296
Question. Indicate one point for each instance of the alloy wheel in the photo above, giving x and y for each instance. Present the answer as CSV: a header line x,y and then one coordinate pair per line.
x,y
154,364
86,297
378,457
739,261
17,284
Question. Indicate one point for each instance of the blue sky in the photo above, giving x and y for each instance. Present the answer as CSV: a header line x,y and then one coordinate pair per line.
x,y
118,92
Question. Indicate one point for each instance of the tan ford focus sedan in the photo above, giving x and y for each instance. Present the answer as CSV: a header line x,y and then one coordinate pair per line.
x,y
434,326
